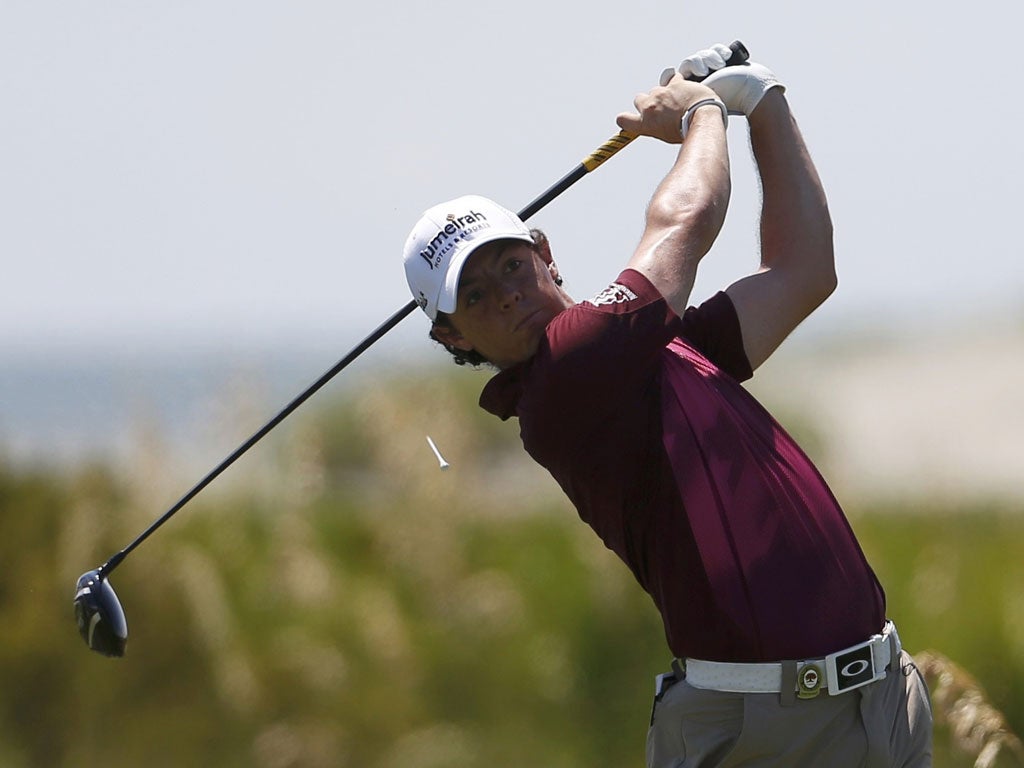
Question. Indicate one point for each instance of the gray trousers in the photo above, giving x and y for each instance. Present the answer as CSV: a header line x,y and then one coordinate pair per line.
x,y
885,724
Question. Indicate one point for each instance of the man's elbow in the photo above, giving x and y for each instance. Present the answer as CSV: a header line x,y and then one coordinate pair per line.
x,y
698,219
829,280
813,269
822,279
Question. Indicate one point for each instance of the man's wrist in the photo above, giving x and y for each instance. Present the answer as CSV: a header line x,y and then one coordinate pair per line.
x,y
691,112
770,107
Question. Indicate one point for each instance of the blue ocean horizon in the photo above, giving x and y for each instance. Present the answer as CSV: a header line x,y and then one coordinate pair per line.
x,y
60,409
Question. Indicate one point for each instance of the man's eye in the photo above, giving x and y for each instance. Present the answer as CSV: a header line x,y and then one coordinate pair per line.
x,y
513,265
472,298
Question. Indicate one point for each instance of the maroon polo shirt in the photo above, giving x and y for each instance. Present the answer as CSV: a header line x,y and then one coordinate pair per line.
x,y
723,520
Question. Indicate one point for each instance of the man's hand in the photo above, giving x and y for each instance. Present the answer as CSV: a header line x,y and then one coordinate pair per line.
x,y
741,87
660,110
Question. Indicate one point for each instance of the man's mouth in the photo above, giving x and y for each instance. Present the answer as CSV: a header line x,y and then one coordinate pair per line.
x,y
525,320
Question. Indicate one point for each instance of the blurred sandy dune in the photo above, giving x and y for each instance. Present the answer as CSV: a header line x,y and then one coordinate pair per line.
x,y
934,416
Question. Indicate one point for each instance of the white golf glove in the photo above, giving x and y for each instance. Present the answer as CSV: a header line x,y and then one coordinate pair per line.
x,y
740,87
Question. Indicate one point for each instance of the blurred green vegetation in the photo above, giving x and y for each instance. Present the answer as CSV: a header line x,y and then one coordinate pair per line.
x,y
336,600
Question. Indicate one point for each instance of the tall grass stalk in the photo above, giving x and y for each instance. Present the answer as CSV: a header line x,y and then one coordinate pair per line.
x,y
976,727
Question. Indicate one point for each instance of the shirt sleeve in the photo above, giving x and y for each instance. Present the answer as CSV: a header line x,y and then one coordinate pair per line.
x,y
624,326
604,349
607,350
594,355
714,330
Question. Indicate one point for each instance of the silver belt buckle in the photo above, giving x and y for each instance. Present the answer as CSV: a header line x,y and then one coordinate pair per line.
x,y
850,668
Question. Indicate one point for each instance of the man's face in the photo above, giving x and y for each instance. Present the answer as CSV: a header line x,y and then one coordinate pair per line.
x,y
507,296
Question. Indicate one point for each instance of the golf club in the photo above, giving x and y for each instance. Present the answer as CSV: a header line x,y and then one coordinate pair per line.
x,y
101,619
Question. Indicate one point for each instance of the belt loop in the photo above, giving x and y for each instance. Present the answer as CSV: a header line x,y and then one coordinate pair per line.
x,y
679,669
787,695
894,651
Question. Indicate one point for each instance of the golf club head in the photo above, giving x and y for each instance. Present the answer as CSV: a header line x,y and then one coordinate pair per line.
x,y
100,617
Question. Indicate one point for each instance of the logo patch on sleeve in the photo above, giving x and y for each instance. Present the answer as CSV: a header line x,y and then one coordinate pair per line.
x,y
616,293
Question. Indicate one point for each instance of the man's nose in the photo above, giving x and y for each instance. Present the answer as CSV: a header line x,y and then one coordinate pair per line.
x,y
509,295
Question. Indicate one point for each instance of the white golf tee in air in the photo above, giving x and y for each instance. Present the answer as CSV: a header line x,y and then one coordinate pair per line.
x,y
440,459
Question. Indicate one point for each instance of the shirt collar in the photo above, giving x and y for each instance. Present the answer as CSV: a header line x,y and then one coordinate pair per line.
x,y
502,393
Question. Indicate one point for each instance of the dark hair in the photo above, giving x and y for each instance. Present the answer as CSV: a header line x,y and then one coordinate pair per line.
x,y
472,357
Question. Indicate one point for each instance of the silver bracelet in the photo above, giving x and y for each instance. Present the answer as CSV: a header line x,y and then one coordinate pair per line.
x,y
684,124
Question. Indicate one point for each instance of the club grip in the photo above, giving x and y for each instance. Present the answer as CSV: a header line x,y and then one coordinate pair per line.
x,y
740,55
606,150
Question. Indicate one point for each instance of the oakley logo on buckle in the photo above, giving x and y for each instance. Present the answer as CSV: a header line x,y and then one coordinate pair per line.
x,y
850,669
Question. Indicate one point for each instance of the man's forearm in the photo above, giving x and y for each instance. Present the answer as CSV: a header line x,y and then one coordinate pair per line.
x,y
796,229
687,210
696,190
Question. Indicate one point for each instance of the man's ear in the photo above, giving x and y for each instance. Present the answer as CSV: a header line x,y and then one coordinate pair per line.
x,y
553,269
544,252
447,334
540,241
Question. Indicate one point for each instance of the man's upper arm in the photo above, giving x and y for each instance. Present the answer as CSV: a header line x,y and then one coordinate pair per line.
x,y
797,259
686,212
770,304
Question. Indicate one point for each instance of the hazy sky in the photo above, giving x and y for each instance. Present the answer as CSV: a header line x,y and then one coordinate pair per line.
x,y
246,172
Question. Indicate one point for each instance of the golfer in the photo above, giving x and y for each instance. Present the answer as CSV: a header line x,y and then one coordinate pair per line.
x,y
632,400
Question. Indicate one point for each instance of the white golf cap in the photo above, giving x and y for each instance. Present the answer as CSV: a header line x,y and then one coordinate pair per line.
x,y
442,241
